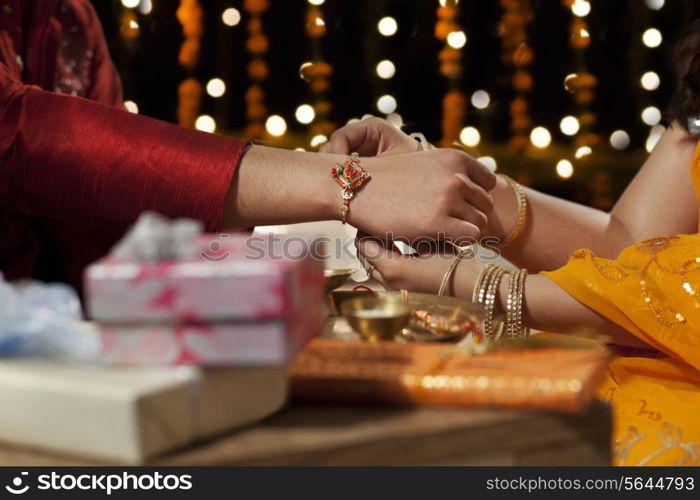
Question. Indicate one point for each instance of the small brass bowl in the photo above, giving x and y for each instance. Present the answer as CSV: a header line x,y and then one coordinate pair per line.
x,y
376,318
336,277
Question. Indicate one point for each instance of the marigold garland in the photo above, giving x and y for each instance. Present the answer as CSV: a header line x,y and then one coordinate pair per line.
x,y
318,73
257,45
190,16
129,27
454,103
583,84
518,55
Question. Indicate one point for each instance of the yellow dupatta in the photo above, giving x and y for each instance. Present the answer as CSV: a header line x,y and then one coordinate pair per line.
x,y
651,290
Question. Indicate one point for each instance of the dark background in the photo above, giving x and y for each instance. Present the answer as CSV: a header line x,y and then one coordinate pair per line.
x,y
352,45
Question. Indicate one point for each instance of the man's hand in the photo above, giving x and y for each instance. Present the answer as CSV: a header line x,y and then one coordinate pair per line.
x,y
370,137
436,193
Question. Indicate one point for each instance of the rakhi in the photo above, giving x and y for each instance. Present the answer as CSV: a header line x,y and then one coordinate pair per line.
x,y
349,175
439,324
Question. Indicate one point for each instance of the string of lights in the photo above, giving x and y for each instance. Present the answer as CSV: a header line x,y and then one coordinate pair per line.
x,y
650,81
129,30
317,73
387,27
581,84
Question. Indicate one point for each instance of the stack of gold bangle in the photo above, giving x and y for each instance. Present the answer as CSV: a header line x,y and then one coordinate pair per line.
x,y
485,294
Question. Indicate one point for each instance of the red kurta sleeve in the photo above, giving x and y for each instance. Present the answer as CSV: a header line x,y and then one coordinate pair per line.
x,y
72,159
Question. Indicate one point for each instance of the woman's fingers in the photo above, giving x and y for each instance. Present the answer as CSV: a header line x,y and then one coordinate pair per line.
x,y
480,174
373,252
461,231
475,195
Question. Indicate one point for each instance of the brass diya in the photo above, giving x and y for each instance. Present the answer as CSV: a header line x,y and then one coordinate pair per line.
x,y
336,277
376,318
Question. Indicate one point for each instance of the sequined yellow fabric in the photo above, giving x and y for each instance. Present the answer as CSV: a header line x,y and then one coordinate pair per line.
x,y
653,291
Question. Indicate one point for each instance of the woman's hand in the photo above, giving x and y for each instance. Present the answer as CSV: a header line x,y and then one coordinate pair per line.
x,y
438,194
421,273
370,137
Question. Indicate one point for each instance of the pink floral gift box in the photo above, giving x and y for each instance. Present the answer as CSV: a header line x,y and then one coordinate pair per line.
x,y
216,278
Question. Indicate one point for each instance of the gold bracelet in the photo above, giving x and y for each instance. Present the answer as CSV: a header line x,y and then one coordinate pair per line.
x,y
522,213
463,253
510,303
514,306
349,175
491,328
480,284
519,330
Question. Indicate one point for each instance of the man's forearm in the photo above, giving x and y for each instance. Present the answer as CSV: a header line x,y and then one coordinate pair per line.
x,y
275,186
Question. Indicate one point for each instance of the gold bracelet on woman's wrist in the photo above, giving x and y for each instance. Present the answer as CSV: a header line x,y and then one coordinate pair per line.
x,y
463,253
522,212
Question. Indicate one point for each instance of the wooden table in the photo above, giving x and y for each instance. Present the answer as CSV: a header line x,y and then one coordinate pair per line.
x,y
367,436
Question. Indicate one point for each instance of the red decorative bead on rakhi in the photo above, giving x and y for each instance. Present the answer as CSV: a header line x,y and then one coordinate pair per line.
x,y
349,175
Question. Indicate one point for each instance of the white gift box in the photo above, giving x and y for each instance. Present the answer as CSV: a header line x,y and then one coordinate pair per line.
x,y
129,414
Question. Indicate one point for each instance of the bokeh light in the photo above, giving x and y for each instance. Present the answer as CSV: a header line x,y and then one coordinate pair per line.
x,y
387,104
216,87
651,115
582,152
387,26
540,137
318,140
569,125
457,39
489,162
386,69
620,139
231,17
652,38
205,123
565,169
470,137
276,126
481,99
131,106
650,81
305,114
581,8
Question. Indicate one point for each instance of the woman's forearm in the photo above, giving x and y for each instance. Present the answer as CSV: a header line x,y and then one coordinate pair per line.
x,y
659,201
554,228
548,307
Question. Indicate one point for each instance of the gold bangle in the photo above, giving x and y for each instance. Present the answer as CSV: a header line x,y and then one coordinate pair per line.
x,y
491,328
520,331
463,253
510,303
522,213
480,284
514,306
349,175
